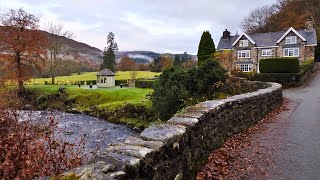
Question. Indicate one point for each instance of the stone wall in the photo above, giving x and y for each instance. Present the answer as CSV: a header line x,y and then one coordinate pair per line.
x,y
178,148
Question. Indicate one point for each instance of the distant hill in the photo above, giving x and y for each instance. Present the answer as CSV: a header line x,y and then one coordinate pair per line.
x,y
145,56
88,55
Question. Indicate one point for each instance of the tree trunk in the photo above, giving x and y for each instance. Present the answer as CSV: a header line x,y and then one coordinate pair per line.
x,y
21,89
53,79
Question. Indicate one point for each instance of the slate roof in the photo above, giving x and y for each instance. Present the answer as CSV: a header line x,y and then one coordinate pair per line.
x,y
268,39
106,72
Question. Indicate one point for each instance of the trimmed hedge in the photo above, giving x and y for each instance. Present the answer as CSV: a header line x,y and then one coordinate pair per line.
x,y
286,79
279,65
93,82
145,83
118,82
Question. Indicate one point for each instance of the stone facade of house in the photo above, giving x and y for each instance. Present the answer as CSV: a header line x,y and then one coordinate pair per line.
x,y
248,50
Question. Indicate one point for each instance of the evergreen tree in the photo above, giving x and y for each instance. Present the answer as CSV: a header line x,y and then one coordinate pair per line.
x,y
185,57
177,61
206,47
109,57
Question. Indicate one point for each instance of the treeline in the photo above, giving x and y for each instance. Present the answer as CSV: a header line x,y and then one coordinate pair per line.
x,y
159,64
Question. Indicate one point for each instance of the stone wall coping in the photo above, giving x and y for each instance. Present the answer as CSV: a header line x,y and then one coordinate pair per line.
x,y
157,136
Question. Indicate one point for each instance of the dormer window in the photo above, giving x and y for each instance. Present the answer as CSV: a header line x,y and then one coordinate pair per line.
x,y
243,43
291,40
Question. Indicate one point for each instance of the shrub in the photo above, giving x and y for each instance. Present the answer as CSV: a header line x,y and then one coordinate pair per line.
x,y
118,82
279,65
176,87
170,92
92,82
145,83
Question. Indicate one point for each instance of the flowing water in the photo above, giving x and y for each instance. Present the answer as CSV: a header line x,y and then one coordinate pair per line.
x,y
97,133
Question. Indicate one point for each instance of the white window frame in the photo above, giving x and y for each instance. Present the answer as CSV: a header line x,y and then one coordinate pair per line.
x,y
244,54
291,40
245,67
291,52
243,43
266,52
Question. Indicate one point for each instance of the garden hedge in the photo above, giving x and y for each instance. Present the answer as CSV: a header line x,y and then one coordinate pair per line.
x,y
286,79
118,82
145,83
279,65
92,82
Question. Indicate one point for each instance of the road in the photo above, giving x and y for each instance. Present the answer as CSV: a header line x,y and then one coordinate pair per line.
x,y
299,155
285,145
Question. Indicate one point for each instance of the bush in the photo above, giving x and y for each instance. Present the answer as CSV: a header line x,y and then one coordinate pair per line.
x,y
92,82
170,92
279,65
286,79
176,87
118,82
145,83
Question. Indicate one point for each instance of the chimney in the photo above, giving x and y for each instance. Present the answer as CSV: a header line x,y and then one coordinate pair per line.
x,y
226,34
309,25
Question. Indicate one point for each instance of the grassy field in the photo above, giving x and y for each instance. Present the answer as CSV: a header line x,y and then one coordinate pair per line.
x,y
120,75
85,98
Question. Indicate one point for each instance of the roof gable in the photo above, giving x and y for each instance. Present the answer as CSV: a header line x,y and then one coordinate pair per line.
x,y
247,36
294,31
105,72
269,39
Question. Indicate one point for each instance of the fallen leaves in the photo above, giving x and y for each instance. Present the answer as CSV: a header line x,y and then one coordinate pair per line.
x,y
244,156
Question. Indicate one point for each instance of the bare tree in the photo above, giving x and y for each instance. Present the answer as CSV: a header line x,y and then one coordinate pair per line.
x,y
58,51
133,74
258,19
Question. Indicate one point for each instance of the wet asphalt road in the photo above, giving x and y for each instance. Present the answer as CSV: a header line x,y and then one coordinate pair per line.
x,y
298,157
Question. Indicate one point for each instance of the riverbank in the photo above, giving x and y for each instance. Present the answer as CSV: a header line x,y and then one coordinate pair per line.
x,y
129,106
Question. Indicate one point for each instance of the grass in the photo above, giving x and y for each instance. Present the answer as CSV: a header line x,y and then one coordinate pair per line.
x,y
110,99
85,98
87,76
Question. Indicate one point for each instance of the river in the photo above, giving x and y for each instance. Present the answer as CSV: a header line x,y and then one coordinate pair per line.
x,y
97,133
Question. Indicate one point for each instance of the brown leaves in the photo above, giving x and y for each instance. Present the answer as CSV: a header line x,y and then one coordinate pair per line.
x,y
23,45
28,151
240,157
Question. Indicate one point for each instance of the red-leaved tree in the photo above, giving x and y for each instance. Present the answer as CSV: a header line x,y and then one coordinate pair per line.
x,y
22,45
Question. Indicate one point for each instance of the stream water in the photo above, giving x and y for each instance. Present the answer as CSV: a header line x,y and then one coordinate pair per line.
x,y
97,133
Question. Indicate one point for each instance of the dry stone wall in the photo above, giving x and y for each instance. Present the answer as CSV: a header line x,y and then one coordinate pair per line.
x,y
178,148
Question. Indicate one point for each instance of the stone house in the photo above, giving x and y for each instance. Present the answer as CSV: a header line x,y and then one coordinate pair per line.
x,y
106,78
249,49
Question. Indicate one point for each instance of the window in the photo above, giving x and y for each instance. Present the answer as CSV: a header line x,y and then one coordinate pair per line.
x,y
291,52
244,54
266,52
291,40
245,67
243,43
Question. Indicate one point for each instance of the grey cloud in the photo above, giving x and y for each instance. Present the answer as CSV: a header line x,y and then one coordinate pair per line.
x,y
157,25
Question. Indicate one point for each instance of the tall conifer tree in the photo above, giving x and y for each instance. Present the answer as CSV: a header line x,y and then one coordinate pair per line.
x,y
206,47
109,57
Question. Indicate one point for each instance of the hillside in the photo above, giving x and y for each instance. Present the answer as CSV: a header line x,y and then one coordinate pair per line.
x,y
91,56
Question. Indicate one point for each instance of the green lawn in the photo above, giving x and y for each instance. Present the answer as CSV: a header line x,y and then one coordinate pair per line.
x,y
120,75
111,97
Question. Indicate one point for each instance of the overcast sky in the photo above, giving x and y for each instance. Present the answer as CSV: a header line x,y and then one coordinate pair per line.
x,y
161,26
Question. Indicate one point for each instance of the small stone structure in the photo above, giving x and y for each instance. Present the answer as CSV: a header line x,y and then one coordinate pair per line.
x,y
178,148
106,78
